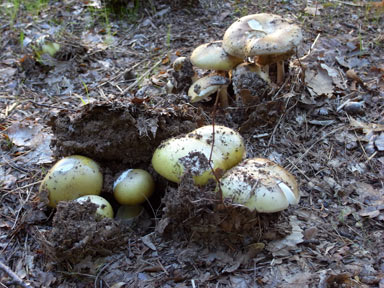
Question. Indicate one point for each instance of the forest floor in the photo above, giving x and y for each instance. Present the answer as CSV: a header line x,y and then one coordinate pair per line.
x,y
104,94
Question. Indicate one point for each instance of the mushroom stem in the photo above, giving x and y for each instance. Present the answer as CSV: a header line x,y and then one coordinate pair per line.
x,y
280,72
223,94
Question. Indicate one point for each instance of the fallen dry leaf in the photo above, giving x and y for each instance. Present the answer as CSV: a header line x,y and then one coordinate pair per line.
x,y
319,82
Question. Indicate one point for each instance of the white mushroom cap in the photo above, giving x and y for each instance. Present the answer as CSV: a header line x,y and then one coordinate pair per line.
x,y
206,86
261,35
260,184
212,56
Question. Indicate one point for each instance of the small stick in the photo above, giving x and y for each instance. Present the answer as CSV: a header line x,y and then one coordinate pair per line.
x,y
213,144
141,77
16,279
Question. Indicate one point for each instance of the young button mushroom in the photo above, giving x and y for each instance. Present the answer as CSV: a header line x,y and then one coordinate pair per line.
x,y
104,209
206,86
227,140
260,184
70,178
266,37
177,155
134,186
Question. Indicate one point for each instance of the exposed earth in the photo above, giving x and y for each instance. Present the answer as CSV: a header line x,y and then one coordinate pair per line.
x,y
109,92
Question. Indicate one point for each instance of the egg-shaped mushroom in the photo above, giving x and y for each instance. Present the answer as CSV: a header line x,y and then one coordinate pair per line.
x,y
228,141
70,178
176,155
260,184
133,186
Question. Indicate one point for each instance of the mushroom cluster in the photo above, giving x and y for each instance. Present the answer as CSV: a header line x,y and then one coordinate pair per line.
x,y
264,39
257,184
79,178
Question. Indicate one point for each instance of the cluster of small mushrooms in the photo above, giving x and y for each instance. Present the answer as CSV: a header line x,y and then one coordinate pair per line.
x,y
79,178
250,45
205,153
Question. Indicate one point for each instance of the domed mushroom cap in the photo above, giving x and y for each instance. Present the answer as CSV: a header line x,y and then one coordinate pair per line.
x,y
212,56
206,86
227,140
176,155
261,34
260,184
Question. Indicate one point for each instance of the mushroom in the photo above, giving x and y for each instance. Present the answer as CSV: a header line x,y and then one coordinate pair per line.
x,y
208,85
104,209
133,186
227,140
266,37
212,56
177,155
260,184
193,150
70,178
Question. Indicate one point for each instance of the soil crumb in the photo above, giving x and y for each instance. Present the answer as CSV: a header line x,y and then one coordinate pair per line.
x,y
198,214
79,232
125,133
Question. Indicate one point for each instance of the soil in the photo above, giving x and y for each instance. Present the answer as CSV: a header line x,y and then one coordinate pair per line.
x,y
110,93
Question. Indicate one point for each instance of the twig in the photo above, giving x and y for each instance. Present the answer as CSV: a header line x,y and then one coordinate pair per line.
x,y
141,77
349,3
311,48
213,144
15,279
313,145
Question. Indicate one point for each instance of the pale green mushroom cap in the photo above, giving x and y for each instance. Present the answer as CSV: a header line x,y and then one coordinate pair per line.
x,y
70,178
228,141
212,56
133,186
174,156
260,184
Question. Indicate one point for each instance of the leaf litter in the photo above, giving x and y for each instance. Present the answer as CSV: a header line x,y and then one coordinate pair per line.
x,y
332,239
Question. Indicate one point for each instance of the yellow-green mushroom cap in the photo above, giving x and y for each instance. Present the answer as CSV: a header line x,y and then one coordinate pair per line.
x,y
70,178
227,140
260,184
212,56
104,209
133,186
175,155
